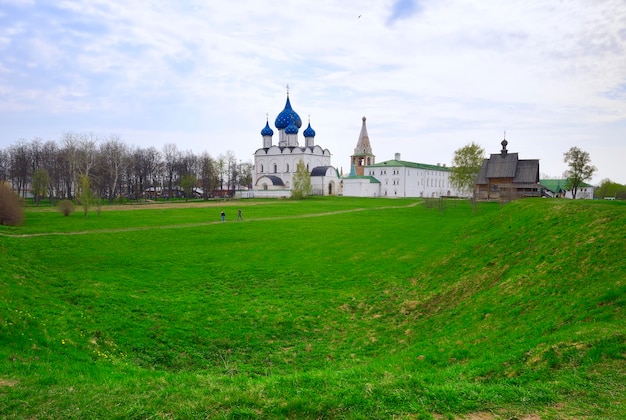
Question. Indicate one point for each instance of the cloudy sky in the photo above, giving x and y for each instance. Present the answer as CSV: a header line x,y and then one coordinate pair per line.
x,y
430,75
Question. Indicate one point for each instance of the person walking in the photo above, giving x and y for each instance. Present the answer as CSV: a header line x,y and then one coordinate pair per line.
x,y
223,216
239,216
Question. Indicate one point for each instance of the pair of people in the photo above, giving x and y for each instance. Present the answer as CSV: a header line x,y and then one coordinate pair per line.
x,y
239,215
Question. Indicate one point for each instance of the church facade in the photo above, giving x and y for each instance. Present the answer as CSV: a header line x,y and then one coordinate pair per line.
x,y
276,163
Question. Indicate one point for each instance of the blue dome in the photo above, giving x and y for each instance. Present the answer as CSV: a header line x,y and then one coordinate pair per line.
x,y
288,116
267,131
291,128
309,132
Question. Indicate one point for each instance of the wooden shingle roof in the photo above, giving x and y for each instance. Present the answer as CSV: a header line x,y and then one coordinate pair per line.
x,y
508,165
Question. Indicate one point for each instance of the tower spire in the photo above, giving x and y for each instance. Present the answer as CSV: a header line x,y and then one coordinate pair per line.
x,y
363,154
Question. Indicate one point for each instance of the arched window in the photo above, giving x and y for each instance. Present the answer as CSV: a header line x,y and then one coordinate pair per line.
x,y
275,168
287,167
261,168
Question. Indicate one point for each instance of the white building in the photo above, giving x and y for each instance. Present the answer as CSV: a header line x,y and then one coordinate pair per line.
x,y
275,164
558,188
393,178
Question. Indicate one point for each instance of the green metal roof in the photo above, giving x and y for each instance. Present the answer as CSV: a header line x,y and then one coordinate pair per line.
x,y
370,178
558,185
404,163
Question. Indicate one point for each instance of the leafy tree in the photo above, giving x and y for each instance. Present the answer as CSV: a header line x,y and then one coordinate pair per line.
x,y
85,194
11,212
187,182
580,168
40,183
301,182
608,188
466,165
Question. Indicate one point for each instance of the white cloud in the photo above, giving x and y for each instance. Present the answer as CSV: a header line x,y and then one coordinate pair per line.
x,y
206,73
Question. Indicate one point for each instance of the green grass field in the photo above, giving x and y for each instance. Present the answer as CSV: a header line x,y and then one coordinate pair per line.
x,y
320,308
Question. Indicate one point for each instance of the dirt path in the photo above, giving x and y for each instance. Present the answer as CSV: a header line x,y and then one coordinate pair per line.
x,y
191,225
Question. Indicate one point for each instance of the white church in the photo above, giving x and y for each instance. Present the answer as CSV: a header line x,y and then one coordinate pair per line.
x,y
275,164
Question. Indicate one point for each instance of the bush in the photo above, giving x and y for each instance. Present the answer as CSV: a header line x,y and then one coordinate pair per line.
x,y
66,207
11,212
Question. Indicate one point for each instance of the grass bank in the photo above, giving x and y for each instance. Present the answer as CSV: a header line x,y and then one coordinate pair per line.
x,y
348,308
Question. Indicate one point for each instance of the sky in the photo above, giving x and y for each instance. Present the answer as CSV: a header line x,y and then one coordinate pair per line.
x,y
431,76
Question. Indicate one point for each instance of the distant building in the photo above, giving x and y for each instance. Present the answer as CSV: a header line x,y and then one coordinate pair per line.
x,y
393,178
506,177
275,164
557,188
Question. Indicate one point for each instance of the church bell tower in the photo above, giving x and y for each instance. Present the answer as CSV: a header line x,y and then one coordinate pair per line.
x,y
363,155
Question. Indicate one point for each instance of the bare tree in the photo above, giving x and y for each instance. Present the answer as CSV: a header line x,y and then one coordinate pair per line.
x,y
5,165
170,157
87,153
36,154
70,162
66,173
221,169
20,167
81,153
154,168
50,163
232,170
114,159
245,174
208,175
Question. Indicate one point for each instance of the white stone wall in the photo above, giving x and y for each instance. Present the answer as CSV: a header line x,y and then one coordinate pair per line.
x,y
360,187
320,184
583,193
404,181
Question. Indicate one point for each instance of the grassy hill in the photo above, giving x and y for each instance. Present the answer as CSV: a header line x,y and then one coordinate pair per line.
x,y
352,308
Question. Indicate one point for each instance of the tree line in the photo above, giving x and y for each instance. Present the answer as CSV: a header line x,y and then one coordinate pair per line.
x,y
55,170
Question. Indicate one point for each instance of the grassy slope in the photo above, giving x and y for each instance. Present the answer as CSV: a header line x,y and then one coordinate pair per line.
x,y
384,312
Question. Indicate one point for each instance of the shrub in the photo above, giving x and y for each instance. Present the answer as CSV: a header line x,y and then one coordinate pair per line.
x,y
66,207
11,212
